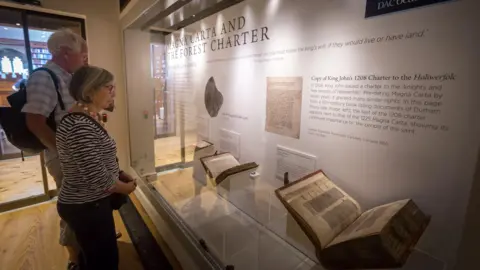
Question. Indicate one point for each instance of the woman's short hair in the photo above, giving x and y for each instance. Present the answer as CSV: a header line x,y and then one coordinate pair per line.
x,y
87,80
65,38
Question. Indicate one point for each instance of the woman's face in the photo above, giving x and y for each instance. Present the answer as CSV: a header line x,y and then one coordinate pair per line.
x,y
104,97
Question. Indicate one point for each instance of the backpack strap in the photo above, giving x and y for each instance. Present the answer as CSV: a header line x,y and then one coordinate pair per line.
x,y
56,83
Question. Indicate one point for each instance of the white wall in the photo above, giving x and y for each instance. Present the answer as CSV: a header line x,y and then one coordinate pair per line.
x,y
105,50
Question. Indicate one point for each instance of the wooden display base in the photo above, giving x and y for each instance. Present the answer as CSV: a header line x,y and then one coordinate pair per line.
x,y
203,149
238,181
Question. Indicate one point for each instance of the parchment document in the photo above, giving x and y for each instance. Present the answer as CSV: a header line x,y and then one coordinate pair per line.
x,y
325,208
284,106
219,163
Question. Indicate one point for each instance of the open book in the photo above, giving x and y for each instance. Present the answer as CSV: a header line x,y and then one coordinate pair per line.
x,y
221,166
346,238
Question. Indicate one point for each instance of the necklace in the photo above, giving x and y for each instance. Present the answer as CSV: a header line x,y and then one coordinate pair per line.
x,y
101,119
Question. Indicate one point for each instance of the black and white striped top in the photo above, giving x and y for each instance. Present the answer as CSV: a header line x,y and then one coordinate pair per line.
x,y
88,158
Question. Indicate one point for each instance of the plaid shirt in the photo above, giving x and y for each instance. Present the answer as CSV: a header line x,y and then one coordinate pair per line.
x,y
42,97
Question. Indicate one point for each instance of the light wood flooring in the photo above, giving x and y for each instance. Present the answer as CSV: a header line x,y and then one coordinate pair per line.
x,y
22,179
29,240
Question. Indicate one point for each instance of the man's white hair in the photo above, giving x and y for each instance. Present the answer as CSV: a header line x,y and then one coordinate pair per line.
x,y
65,38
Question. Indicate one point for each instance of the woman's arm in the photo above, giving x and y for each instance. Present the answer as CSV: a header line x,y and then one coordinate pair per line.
x,y
84,146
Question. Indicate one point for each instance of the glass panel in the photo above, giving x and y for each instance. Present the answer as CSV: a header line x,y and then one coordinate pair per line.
x,y
301,86
20,177
173,142
233,236
167,139
40,28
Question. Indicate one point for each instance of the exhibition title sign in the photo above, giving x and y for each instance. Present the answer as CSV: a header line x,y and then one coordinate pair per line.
x,y
230,34
380,7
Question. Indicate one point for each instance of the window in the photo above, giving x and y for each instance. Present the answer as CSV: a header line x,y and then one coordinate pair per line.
x,y
23,47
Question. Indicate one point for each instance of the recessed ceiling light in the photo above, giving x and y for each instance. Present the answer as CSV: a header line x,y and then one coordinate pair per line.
x,y
17,24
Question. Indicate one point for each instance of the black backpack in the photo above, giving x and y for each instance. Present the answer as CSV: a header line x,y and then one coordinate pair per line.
x,y
13,120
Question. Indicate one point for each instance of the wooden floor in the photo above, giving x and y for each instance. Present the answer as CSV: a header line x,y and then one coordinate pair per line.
x,y
29,240
21,179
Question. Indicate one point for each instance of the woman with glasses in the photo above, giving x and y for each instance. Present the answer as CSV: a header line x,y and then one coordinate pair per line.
x,y
91,174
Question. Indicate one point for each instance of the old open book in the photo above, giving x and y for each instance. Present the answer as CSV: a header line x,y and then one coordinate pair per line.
x,y
346,238
221,166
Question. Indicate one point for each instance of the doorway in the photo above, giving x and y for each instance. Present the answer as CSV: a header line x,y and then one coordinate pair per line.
x,y
23,48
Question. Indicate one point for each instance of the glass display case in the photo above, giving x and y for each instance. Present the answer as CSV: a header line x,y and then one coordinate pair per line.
x,y
296,92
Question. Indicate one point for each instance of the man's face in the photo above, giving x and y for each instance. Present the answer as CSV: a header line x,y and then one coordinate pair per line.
x,y
76,60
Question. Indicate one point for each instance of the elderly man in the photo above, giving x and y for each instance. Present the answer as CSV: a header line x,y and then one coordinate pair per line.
x,y
69,52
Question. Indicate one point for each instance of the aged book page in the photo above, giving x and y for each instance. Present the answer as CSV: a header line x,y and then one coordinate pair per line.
x,y
284,105
322,209
219,163
370,222
381,238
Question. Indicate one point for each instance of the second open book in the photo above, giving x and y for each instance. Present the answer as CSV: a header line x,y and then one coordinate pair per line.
x,y
221,166
343,235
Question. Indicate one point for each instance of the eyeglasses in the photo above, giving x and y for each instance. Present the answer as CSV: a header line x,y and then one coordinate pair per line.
x,y
111,88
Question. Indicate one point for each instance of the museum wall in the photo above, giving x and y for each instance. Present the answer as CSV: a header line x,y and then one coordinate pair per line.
x,y
385,105
105,50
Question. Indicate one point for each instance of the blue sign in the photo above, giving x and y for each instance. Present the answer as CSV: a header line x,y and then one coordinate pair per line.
x,y
380,7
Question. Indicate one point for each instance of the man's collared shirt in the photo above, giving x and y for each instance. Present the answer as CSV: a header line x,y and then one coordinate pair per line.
x,y
42,97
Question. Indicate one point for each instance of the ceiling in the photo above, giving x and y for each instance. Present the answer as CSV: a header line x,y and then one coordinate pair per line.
x,y
171,15
186,11
16,33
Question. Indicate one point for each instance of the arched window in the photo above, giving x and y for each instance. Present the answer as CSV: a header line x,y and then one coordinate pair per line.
x,y
6,65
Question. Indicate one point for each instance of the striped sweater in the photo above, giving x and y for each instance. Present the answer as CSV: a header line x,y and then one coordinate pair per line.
x,y
88,158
